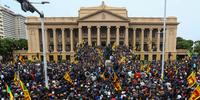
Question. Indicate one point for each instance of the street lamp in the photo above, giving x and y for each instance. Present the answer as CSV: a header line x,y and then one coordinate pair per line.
x,y
43,2
27,6
164,32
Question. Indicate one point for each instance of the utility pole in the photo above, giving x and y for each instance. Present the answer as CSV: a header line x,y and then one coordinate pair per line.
x,y
27,6
164,32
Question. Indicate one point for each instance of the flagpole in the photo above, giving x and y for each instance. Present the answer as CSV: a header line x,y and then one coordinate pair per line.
x,y
164,31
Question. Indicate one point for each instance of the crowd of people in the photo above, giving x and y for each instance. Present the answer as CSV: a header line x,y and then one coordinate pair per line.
x,y
93,77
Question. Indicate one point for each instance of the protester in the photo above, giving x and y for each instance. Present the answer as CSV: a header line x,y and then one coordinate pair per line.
x,y
93,77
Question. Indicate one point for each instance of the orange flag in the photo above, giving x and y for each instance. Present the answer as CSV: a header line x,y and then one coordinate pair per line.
x,y
68,78
117,86
191,79
195,94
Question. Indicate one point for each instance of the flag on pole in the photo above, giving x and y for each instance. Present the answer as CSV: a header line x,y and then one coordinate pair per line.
x,y
22,85
195,94
116,83
9,91
15,79
191,79
26,94
25,90
68,78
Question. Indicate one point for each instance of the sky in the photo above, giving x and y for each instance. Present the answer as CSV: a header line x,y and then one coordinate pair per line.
x,y
185,10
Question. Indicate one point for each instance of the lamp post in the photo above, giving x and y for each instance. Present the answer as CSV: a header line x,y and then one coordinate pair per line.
x,y
164,31
27,6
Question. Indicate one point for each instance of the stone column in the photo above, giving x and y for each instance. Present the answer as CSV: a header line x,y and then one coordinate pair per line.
x,y
157,56
89,36
150,56
63,40
37,42
71,40
166,41
126,36
80,35
47,40
142,40
117,35
55,40
108,35
158,41
134,39
150,40
98,36
142,56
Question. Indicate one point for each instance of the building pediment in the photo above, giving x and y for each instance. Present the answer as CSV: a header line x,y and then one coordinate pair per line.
x,y
103,15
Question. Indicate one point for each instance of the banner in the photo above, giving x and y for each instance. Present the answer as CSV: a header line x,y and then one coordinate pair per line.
x,y
191,79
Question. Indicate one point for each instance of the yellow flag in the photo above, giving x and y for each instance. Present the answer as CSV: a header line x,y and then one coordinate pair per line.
x,y
15,79
9,91
67,77
122,60
22,85
114,46
102,76
26,95
141,67
195,94
148,69
117,86
25,90
115,78
21,59
191,79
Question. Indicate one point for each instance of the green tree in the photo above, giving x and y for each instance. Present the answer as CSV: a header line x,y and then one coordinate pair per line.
x,y
21,44
6,48
197,47
183,43
8,45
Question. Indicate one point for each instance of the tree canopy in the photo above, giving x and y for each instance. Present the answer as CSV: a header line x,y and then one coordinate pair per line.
x,y
7,45
197,47
183,43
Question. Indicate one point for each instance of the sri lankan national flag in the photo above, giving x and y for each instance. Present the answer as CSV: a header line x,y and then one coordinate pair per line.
x,y
68,78
195,94
9,91
26,94
22,85
25,90
191,79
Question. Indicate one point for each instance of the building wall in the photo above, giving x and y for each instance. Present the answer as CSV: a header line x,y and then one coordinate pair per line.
x,y
1,24
102,25
20,27
13,25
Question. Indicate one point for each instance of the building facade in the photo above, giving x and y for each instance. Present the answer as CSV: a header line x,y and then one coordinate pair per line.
x,y
1,25
101,25
12,25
